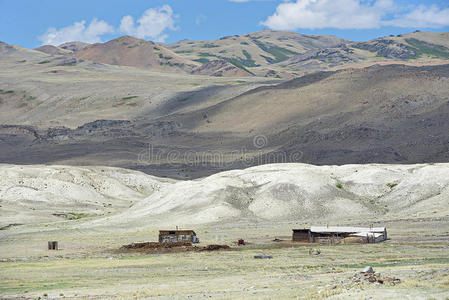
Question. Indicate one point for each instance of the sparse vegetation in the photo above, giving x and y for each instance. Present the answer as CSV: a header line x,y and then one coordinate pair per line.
x,y
339,185
210,46
392,184
205,54
75,216
183,51
2,92
129,98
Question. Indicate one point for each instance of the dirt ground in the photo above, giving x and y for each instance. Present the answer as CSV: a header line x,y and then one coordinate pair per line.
x,y
88,265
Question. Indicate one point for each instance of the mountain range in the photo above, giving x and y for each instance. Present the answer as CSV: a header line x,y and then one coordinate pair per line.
x,y
265,53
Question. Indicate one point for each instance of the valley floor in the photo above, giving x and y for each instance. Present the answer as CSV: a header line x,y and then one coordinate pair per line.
x,y
88,266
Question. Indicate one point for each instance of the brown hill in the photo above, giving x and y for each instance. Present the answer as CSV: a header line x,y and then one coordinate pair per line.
x,y
133,52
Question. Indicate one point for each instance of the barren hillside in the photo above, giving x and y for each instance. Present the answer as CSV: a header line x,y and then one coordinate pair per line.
x,y
133,52
101,196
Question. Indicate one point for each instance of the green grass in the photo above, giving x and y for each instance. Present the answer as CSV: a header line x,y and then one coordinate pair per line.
x,y
235,61
279,53
339,185
184,51
424,48
248,62
205,54
209,46
202,60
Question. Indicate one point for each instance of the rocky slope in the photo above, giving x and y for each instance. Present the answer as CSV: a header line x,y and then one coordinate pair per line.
x,y
53,50
73,46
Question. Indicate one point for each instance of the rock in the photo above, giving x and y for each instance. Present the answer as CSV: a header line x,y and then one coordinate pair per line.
x,y
262,256
368,269
314,251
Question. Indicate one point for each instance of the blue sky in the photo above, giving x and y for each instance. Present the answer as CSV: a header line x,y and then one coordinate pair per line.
x,y
31,23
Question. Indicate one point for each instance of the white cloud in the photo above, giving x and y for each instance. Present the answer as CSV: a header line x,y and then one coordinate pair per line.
x,y
77,32
422,17
151,24
354,14
341,14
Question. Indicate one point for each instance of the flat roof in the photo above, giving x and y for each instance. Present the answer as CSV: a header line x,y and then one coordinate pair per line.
x,y
337,229
343,229
176,231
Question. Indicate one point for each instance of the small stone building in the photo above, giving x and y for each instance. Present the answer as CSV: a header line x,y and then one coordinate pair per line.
x,y
175,236
336,235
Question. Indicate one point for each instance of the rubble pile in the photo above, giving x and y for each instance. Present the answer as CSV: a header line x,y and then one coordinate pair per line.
x,y
169,247
368,275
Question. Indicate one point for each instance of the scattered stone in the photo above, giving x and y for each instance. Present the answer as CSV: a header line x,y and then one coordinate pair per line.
x,y
314,251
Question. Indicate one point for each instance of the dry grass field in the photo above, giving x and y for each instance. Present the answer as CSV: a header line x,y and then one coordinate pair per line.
x,y
89,267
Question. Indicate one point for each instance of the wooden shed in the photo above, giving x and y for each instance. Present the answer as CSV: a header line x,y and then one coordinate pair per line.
x,y
336,235
175,236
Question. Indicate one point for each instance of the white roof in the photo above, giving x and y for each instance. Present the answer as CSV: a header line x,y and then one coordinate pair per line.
x,y
370,234
346,229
